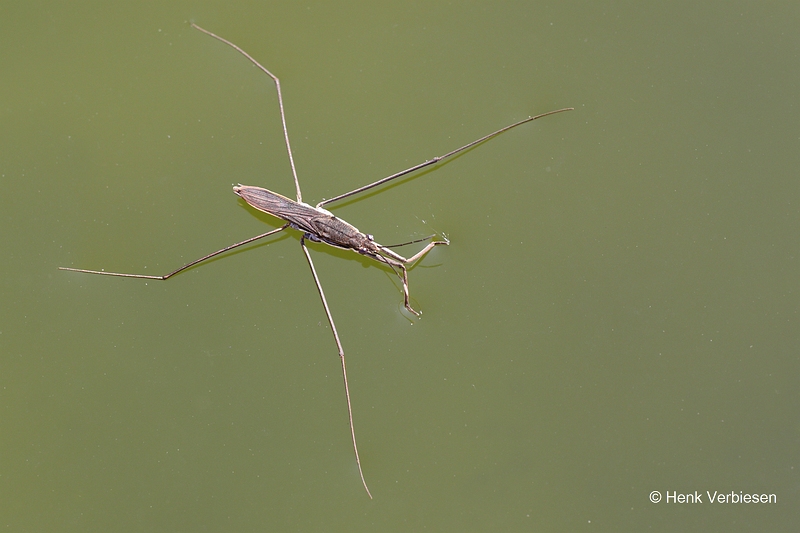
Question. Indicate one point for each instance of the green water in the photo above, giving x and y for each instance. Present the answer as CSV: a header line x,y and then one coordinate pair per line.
x,y
617,313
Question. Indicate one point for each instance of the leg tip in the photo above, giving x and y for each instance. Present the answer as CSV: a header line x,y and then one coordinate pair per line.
x,y
413,311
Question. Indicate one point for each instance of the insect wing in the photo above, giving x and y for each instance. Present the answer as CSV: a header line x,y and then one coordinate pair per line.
x,y
278,205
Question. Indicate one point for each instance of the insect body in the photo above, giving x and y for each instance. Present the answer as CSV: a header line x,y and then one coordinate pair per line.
x,y
320,225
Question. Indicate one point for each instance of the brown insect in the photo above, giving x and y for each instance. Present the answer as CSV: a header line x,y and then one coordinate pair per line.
x,y
320,225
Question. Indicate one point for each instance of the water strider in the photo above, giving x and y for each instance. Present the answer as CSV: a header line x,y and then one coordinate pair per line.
x,y
320,225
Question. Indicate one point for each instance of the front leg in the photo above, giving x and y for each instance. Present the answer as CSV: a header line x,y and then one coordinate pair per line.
x,y
417,256
397,261
404,278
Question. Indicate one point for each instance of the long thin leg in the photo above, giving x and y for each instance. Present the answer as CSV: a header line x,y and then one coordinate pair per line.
x,y
184,267
341,357
437,159
280,101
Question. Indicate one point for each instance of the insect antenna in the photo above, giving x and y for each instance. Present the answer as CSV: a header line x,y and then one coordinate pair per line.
x,y
409,242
